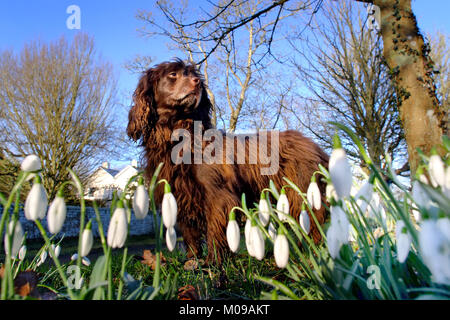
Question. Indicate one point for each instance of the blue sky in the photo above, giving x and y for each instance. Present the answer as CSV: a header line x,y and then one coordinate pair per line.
x,y
114,27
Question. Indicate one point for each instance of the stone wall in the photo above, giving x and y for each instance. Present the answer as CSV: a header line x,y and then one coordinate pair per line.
x,y
72,223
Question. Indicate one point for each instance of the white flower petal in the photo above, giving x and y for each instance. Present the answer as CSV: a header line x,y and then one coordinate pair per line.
x,y
257,242
56,215
264,213
118,229
17,236
283,207
171,238
233,235
36,202
169,210
140,202
86,242
31,163
340,173
281,251
305,222
437,171
314,196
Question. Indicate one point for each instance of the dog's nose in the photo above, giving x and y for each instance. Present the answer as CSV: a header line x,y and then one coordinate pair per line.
x,y
195,81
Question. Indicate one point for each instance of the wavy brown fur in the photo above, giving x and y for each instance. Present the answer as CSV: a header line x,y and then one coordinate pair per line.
x,y
205,193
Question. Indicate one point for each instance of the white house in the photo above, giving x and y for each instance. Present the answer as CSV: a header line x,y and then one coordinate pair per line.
x,y
103,181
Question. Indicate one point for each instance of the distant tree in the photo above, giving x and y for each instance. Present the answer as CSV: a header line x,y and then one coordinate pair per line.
x,y
342,66
423,118
58,102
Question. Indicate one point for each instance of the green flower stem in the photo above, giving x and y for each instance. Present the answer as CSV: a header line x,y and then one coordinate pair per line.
x,y
100,229
124,257
151,190
79,187
55,259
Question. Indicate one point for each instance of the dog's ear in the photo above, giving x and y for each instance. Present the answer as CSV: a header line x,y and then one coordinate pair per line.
x,y
142,115
204,108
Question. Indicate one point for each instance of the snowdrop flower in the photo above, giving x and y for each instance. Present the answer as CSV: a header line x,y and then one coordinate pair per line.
x,y
87,239
340,170
264,212
248,226
364,195
140,200
283,206
404,241
281,250
333,241
330,192
42,258
118,227
340,221
313,195
55,249
171,238
434,242
36,202
305,222
74,257
436,170
376,209
22,252
56,213
31,163
256,242
16,237
169,208
86,261
272,231
233,233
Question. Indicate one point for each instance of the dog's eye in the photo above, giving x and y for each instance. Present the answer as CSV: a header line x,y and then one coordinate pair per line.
x,y
172,75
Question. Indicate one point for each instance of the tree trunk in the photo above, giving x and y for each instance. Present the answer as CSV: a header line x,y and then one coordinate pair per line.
x,y
422,116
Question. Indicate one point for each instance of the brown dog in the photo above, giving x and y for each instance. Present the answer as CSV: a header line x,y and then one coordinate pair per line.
x,y
170,104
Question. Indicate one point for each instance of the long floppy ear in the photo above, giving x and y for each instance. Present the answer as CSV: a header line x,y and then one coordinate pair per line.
x,y
204,108
142,115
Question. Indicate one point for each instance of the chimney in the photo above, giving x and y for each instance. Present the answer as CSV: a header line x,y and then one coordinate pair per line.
x,y
105,165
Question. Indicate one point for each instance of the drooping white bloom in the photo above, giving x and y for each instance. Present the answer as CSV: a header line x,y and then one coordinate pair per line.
x,y
22,252
118,227
272,231
169,208
42,258
436,170
264,212
56,214
333,241
31,163
404,241
16,237
283,206
313,195
248,244
434,242
171,238
364,196
340,173
140,201
257,242
56,250
87,239
233,233
86,261
74,257
305,222
36,202
330,192
340,221
281,251
376,208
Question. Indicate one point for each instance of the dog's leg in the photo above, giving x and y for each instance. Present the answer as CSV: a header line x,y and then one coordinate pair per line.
x,y
192,239
217,219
